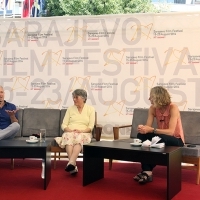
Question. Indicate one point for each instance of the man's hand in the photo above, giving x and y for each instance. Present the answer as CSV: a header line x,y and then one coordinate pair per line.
x,y
12,113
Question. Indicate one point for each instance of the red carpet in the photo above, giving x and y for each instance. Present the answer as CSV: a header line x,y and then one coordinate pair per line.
x,y
24,183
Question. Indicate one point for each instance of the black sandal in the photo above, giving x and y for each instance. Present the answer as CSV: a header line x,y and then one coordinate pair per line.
x,y
138,176
69,167
75,171
145,178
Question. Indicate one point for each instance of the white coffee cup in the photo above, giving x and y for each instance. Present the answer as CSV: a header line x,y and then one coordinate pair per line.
x,y
136,140
32,137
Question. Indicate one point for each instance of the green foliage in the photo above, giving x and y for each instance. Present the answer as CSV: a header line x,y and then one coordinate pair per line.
x,y
138,6
100,7
75,7
53,8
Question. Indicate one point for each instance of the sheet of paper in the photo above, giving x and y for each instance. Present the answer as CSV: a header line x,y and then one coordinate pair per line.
x,y
154,143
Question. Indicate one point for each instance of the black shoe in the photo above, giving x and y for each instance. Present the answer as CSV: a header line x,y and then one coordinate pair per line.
x,y
75,171
145,178
138,176
69,167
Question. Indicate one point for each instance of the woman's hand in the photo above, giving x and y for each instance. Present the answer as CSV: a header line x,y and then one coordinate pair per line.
x,y
77,131
139,128
143,129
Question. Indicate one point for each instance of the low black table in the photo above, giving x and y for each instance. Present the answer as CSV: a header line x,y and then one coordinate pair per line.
x,y
95,152
21,149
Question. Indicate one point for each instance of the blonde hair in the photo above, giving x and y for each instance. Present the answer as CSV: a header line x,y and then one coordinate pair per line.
x,y
160,96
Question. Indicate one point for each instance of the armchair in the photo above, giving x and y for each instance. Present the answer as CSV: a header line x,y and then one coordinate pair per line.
x,y
191,127
139,117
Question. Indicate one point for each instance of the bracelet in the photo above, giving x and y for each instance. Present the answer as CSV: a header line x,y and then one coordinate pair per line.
x,y
154,130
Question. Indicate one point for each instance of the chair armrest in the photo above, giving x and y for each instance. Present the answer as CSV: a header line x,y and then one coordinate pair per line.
x,y
98,130
116,130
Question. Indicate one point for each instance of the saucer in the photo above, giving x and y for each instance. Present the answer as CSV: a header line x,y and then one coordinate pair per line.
x,y
136,143
32,141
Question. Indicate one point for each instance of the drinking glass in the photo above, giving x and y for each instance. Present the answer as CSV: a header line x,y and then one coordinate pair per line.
x,y
42,135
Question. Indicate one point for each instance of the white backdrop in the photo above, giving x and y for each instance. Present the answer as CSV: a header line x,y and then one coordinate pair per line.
x,y
116,58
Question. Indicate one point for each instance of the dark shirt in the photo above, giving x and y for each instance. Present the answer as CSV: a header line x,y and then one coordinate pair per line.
x,y
4,117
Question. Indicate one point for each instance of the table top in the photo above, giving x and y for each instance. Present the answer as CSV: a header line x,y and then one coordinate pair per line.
x,y
14,143
125,144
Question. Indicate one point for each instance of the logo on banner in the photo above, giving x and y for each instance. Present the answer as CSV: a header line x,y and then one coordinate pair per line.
x,y
144,29
115,55
17,33
175,56
114,107
20,83
54,56
72,33
52,104
79,82
144,82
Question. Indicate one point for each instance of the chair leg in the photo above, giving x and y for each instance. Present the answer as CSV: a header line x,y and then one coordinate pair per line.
x,y
116,137
98,131
110,164
54,161
198,171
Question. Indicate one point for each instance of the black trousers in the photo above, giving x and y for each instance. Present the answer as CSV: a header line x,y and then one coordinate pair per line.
x,y
167,139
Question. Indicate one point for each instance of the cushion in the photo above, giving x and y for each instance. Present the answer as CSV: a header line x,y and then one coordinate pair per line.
x,y
20,115
36,118
191,151
191,126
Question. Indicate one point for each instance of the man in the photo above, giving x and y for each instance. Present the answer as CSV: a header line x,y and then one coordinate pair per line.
x,y
9,125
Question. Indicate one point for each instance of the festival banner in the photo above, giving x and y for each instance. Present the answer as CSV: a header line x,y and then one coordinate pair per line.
x,y
117,59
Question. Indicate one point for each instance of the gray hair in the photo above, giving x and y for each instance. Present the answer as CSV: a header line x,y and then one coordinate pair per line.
x,y
80,92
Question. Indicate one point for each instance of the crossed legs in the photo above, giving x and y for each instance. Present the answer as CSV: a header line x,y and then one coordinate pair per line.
x,y
73,152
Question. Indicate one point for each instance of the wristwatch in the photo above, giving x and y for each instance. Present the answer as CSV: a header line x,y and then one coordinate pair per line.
x,y
154,130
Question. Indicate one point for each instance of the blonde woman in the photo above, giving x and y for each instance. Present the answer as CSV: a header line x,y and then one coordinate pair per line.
x,y
169,127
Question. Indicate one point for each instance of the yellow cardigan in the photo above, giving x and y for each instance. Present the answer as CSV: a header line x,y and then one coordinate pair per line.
x,y
75,120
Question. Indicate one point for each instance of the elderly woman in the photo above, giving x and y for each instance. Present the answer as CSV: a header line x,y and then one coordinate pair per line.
x,y
77,125
169,127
